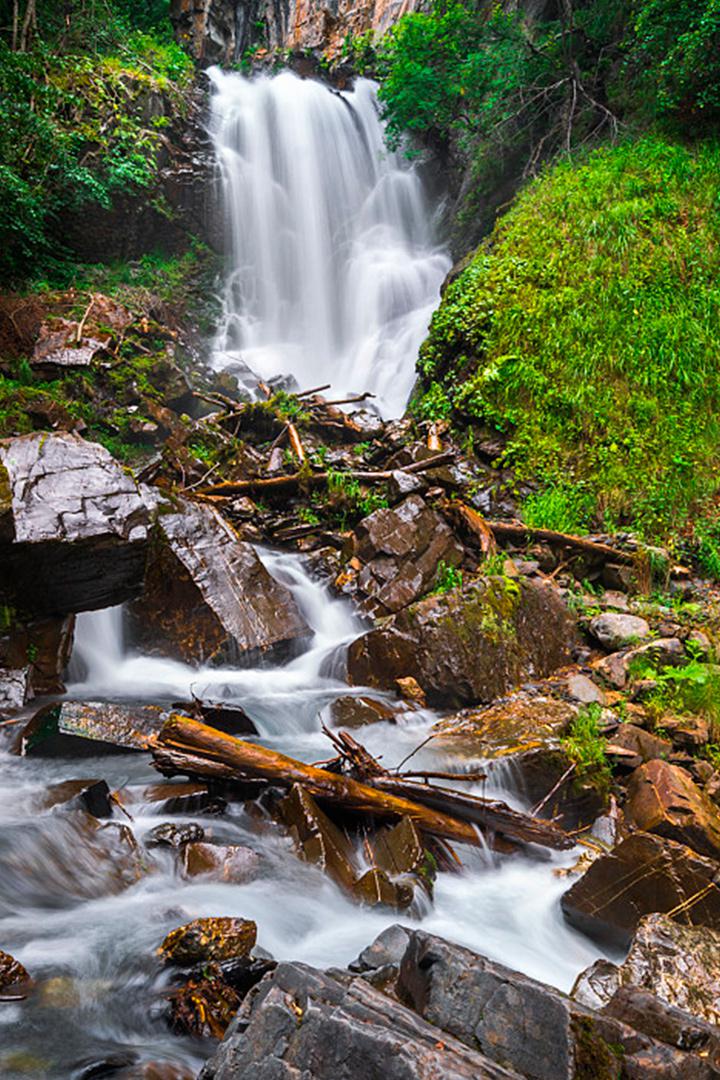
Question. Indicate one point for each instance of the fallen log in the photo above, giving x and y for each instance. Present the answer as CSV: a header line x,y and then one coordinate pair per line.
x,y
516,531
297,480
188,746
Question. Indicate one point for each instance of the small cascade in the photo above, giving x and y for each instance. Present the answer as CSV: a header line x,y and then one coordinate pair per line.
x,y
335,266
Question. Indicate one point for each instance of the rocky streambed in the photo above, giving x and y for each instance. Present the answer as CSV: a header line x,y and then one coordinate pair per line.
x,y
370,579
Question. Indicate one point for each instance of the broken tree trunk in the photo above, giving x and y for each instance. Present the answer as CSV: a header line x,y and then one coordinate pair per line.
x,y
298,480
186,745
515,531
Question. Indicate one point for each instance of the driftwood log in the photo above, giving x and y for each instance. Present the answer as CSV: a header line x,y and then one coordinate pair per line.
x,y
190,747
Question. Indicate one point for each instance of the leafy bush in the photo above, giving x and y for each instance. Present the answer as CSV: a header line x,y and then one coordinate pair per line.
x,y
447,578
588,330
585,746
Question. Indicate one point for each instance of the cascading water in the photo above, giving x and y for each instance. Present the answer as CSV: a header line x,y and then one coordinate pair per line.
x,y
99,986
335,267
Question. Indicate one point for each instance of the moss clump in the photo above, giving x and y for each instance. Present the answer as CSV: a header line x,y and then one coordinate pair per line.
x,y
587,329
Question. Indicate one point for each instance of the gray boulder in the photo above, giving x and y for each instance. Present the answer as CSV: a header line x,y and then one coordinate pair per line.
x,y
614,629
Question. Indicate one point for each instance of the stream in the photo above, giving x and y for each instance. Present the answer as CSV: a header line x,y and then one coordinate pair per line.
x,y
100,984
336,268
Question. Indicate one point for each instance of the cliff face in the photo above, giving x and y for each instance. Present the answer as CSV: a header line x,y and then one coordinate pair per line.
x,y
219,31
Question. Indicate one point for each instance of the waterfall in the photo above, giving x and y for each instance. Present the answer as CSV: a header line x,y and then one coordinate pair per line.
x,y
335,270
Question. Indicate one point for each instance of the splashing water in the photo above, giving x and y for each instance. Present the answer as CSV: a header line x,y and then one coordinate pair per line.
x,y
335,267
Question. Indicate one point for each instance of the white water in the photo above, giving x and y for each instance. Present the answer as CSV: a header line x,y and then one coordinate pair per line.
x,y
507,908
335,266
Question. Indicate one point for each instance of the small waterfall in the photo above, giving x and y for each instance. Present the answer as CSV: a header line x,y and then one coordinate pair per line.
x,y
335,269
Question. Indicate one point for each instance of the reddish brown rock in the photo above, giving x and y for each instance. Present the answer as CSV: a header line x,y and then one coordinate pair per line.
x,y
203,1007
350,711
663,799
317,838
75,727
642,744
399,551
232,863
468,646
207,596
642,875
14,979
209,939
43,645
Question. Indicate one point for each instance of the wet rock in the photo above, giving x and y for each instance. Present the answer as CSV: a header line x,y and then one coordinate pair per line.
x,y
233,863
231,719
73,525
516,724
184,797
168,834
157,1070
525,1025
614,630
209,939
643,744
14,690
74,727
43,645
470,645
663,799
375,888
317,838
399,551
664,652
203,1007
647,1013
409,689
643,874
303,1022
207,596
90,795
401,484
349,711
14,979
679,964
386,950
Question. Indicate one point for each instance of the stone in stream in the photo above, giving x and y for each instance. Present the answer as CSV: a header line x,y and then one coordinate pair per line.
x,y
663,799
349,711
679,964
14,689
299,1022
643,874
73,525
170,834
174,797
317,838
528,1026
399,551
231,719
233,863
89,727
221,938
207,596
91,795
14,979
469,645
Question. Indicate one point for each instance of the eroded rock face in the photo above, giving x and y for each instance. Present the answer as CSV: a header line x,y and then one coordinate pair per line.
x,y
663,799
643,874
400,551
303,1022
73,525
470,645
207,596
679,964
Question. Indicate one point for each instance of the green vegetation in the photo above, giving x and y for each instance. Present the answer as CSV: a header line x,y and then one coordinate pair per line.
x,y
693,689
349,500
585,746
588,330
84,99
448,578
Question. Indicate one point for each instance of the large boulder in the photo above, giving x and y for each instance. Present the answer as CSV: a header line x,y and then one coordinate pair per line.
x,y
614,630
399,551
302,1023
663,799
642,875
89,727
44,645
207,595
525,1025
679,964
73,525
469,645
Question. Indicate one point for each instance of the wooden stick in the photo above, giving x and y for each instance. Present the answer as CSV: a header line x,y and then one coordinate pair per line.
x,y
347,400
514,530
315,390
81,324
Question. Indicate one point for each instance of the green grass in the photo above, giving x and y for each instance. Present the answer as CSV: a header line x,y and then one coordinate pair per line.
x,y
447,578
585,746
588,330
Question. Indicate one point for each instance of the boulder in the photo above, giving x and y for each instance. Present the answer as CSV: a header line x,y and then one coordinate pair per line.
x,y
349,711
14,979
583,690
233,863
73,525
399,551
208,597
470,645
209,939
90,795
643,874
90,727
642,744
43,644
525,1025
317,839
649,1014
299,1022
663,799
169,834
679,964
614,629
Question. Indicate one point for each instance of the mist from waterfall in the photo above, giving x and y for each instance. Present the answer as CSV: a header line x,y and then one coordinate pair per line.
x,y
335,267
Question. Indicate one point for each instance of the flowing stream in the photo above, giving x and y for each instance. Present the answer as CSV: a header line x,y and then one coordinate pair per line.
x,y
336,267
99,982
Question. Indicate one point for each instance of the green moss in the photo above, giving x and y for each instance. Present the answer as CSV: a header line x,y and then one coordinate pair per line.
x,y
588,329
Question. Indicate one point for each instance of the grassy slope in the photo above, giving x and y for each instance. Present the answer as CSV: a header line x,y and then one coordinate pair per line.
x,y
588,329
